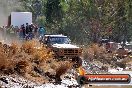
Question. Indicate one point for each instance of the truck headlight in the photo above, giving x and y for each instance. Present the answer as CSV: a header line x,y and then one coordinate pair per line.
x,y
116,54
125,55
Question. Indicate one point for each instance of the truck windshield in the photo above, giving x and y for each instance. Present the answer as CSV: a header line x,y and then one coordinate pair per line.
x,y
59,40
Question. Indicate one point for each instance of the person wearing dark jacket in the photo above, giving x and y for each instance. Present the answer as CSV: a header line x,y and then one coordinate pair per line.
x,y
23,30
31,31
27,28
27,31
31,28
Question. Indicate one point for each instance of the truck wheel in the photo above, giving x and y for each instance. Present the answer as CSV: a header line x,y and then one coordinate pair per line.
x,y
81,80
77,62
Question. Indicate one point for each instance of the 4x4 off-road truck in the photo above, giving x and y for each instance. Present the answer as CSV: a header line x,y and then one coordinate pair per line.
x,y
62,48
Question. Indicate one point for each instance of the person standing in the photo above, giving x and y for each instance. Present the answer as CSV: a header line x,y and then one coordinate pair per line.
x,y
31,31
41,31
27,28
23,30
27,31
35,31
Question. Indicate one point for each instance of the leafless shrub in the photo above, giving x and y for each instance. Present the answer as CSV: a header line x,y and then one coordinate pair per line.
x,y
23,59
28,47
121,64
6,65
14,48
62,69
42,54
93,51
21,67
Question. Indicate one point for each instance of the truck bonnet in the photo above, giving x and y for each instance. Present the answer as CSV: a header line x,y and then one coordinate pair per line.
x,y
64,46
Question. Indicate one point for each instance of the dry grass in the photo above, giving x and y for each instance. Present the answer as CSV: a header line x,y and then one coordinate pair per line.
x,y
42,54
62,68
6,64
19,57
22,60
29,47
94,51
14,48
21,67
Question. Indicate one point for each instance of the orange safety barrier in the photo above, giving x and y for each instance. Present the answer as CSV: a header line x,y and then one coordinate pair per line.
x,y
81,71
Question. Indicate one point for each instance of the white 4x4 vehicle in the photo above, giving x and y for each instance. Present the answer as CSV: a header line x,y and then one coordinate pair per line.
x,y
62,48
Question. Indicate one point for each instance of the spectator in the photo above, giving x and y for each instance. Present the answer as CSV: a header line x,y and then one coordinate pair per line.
x,y
41,31
12,32
31,31
16,31
27,31
31,28
23,31
27,28
35,31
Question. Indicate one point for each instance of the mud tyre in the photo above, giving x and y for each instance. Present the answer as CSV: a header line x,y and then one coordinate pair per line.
x,y
77,62
81,80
